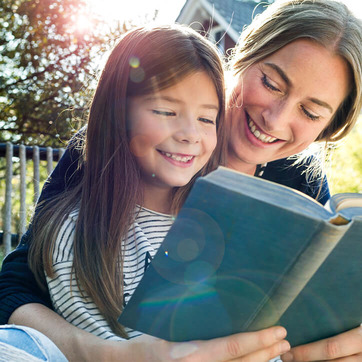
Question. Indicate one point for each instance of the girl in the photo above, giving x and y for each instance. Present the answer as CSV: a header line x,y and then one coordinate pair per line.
x,y
155,124
152,128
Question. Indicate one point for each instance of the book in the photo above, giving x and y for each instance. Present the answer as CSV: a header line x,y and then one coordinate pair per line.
x,y
244,254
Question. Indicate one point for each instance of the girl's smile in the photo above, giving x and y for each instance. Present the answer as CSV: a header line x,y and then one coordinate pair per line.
x,y
178,159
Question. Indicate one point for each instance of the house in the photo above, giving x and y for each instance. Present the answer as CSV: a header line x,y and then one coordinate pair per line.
x,y
221,20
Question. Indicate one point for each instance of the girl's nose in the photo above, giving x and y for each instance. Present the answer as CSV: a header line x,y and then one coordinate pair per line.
x,y
188,131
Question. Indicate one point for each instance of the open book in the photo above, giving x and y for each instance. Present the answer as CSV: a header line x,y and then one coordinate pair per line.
x,y
244,254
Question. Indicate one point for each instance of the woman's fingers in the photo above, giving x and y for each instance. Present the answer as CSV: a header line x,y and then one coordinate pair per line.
x,y
344,347
354,358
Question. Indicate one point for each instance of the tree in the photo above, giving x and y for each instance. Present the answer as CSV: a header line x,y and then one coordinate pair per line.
x,y
47,67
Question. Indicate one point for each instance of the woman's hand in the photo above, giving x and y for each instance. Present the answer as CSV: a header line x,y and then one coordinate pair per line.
x,y
345,347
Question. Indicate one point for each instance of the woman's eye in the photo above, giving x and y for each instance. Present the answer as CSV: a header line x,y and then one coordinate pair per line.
x,y
268,84
311,116
206,120
163,113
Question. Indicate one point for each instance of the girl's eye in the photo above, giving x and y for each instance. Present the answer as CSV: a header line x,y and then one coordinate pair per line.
x,y
206,120
163,113
268,84
311,116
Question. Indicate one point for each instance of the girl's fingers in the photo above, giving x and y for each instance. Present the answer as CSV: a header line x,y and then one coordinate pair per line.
x,y
266,344
246,347
266,354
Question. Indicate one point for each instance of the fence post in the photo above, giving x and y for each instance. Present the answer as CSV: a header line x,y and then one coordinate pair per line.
x,y
36,173
8,192
49,160
22,221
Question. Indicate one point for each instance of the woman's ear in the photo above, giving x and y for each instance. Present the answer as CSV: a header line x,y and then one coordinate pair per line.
x,y
234,91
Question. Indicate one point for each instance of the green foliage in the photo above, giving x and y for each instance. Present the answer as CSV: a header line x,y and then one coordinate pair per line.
x,y
46,66
345,173
15,197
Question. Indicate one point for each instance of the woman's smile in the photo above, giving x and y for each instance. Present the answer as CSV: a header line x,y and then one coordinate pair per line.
x,y
258,132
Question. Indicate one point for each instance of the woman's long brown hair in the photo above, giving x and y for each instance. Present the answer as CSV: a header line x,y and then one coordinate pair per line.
x,y
143,61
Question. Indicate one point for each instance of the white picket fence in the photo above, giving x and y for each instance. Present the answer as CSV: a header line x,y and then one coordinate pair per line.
x,y
20,153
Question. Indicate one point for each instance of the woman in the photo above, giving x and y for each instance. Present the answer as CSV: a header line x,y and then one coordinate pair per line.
x,y
298,79
307,57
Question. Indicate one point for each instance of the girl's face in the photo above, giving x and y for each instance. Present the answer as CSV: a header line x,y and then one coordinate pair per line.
x,y
173,131
283,103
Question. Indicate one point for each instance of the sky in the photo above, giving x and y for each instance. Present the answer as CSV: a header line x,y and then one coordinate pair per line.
x,y
167,9
355,6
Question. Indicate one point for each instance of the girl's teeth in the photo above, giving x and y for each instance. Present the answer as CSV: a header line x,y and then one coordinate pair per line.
x,y
178,158
260,136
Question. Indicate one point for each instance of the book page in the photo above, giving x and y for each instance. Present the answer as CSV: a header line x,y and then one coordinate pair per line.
x,y
348,203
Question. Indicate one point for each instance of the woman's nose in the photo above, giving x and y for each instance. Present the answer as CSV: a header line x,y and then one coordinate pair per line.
x,y
278,115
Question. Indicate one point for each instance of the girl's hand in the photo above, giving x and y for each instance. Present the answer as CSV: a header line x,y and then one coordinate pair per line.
x,y
246,347
345,347
78,345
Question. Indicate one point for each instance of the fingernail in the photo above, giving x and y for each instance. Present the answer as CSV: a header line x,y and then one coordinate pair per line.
x,y
280,333
284,347
288,357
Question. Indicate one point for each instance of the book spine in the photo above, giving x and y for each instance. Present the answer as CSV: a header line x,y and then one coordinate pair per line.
x,y
303,269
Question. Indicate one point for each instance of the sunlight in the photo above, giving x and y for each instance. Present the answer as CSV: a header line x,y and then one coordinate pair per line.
x,y
355,6
82,23
143,11
137,10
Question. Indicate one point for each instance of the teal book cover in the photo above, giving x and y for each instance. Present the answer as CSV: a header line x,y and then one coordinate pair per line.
x,y
244,254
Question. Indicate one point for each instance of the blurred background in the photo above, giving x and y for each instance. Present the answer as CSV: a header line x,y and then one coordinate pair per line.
x,y
51,52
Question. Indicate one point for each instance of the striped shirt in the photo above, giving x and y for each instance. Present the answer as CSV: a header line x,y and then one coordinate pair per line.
x,y
143,241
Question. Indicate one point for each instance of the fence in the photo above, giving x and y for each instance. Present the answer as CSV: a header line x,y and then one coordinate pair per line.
x,y
20,153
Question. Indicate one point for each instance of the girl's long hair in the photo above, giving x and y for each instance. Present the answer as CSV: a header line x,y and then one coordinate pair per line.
x,y
144,60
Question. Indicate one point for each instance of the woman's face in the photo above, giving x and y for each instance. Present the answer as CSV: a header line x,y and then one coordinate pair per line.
x,y
283,103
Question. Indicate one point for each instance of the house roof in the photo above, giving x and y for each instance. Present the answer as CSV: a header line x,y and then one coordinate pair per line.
x,y
237,13
232,15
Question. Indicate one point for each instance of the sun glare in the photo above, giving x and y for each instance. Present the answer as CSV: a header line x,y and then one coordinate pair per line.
x,y
137,10
141,11
119,10
82,23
